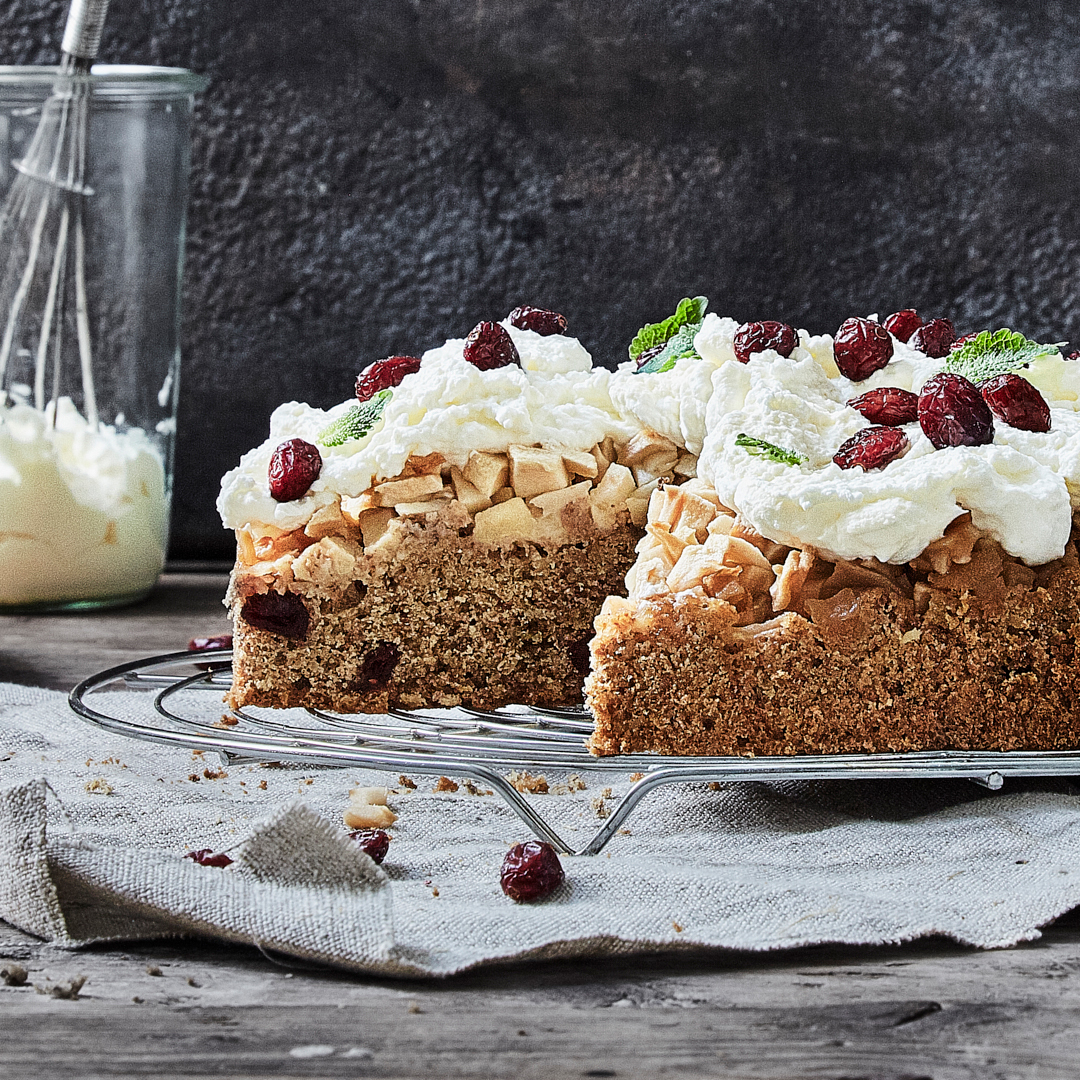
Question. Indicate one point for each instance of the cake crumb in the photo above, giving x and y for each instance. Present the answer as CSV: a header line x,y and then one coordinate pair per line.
x,y
100,786
194,777
444,783
214,774
227,721
571,784
14,975
714,785
472,789
68,991
636,776
405,781
153,969
262,785
435,890
676,927
600,808
526,783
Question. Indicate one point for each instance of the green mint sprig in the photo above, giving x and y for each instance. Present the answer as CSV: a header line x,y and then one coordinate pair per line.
x,y
995,352
357,422
761,448
675,333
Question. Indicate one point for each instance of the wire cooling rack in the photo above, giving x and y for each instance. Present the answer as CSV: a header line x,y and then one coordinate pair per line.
x,y
186,689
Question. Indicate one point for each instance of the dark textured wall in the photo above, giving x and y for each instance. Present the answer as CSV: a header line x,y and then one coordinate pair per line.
x,y
374,177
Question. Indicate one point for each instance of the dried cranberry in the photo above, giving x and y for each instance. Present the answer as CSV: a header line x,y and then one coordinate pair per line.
x,y
375,842
539,320
647,355
277,613
580,656
379,665
206,857
205,644
860,348
902,324
872,448
755,337
1014,400
530,871
384,374
294,466
888,405
1074,355
953,413
934,338
490,346
960,342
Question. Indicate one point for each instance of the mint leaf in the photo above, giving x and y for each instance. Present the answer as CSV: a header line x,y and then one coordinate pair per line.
x,y
995,353
682,344
357,422
761,448
691,310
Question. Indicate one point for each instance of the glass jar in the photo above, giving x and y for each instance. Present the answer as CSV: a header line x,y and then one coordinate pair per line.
x,y
94,175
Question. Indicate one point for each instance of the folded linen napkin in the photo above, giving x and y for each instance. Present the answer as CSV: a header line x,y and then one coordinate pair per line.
x,y
94,828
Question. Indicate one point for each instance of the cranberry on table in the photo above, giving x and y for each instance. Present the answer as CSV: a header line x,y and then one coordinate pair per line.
x,y
952,412
277,613
205,644
384,375
530,871
489,346
934,338
294,466
872,448
887,405
206,857
1015,401
539,320
902,324
860,348
756,337
375,842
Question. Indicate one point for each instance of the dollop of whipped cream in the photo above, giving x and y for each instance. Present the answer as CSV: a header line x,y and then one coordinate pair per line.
x,y
1020,489
673,402
84,511
556,398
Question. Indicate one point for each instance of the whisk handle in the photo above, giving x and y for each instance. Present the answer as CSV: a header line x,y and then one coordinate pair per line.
x,y
82,35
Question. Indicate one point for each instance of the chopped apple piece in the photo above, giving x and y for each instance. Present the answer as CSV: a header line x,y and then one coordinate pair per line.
x,y
609,497
411,489
469,495
581,463
326,521
534,471
510,520
373,525
487,472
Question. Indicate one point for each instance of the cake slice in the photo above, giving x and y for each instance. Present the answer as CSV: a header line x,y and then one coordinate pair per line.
x,y
446,538
878,554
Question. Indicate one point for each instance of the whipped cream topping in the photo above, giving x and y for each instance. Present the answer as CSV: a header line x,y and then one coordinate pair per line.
x,y
556,398
83,511
1020,489
674,402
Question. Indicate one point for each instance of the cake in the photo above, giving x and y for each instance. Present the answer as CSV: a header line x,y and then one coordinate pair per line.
x,y
445,537
878,553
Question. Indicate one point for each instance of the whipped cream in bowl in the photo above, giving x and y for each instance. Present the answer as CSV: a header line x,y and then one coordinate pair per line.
x,y
84,509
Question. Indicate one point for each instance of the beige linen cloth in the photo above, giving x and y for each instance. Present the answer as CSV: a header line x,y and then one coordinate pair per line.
x,y
94,828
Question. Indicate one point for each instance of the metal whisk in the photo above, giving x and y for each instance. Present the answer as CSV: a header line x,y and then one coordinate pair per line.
x,y
42,237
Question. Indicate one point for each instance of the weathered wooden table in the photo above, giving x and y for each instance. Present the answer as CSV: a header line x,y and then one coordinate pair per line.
x,y
190,1008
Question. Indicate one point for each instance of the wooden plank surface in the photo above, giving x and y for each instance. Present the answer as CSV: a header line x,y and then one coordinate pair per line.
x,y
927,1009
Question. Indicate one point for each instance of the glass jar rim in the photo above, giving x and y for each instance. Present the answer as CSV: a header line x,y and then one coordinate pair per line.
x,y
119,80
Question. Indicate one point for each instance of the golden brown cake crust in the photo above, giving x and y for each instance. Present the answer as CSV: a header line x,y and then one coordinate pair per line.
x,y
484,625
981,657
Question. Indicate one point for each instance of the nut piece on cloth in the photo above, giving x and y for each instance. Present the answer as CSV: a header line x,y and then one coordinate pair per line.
x,y
367,809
